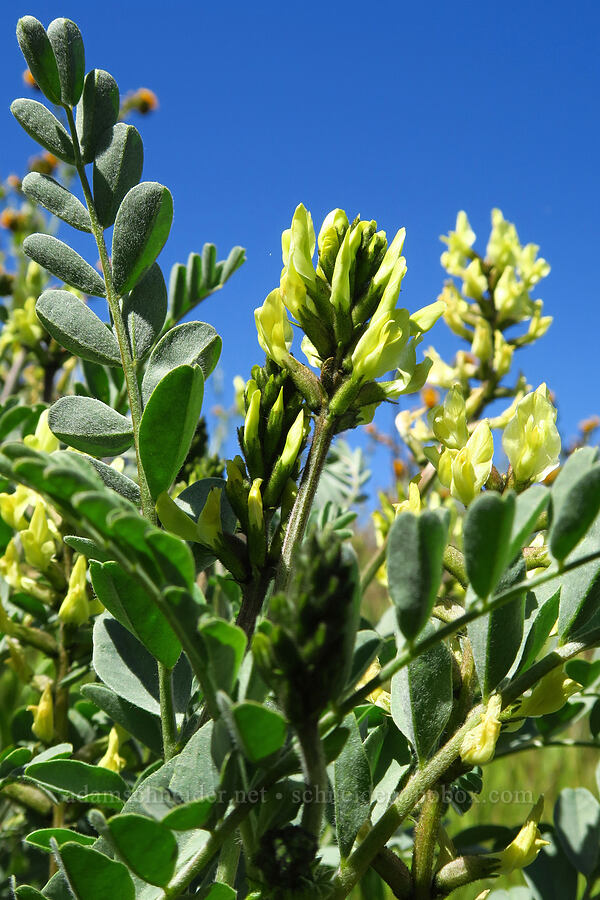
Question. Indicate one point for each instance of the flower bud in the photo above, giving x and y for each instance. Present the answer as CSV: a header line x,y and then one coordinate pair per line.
x,y
459,244
256,524
42,439
503,247
251,436
37,540
75,608
111,759
425,318
18,660
479,743
465,471
43,716
412,503
531,440
274,329
379,348
335,225
474,281
10,567
340,283
208,525
392,255
449,422
379,697
549,695
302,244
522,851
482,341
503,354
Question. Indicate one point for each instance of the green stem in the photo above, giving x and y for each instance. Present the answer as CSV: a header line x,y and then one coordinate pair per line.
x,y
135,400
315,775
426,834
454,563
167,712
323,435
228,861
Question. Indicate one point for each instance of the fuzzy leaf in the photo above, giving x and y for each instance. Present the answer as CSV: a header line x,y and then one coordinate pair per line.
x,y
260,731
352,788
577,822
530,505
168,424
147,846
144,311
223,646
79,330
141,228
116,481
127,601
140,724
39,56
57,200
41,838
93,876
487,540
117,168
414,566
90,426
422,698
67,44
189,285
75,779
194,814
97,110
192,344
43,127
64,262
576,514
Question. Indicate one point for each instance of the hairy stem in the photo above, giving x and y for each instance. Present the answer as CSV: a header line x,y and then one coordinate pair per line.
x,y
167,712
315,775
135,401
323,435
426,834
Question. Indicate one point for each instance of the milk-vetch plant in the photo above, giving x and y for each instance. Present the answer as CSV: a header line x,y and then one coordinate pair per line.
x,y
212,712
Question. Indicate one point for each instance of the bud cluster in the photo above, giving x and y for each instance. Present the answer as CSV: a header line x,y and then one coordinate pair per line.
x,y
304,650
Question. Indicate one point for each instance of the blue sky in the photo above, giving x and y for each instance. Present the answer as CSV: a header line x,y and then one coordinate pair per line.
x,y
404,113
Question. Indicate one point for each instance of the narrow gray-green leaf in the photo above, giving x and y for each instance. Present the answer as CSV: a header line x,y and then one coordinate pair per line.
x,y
39,56
62,261
140,724
56,199
141,228
414,565
145,310
116,480
422,698
67,44
580,588
90,426
352,788
168,424
487,540
192,343
97,110
43,127
117,168
577,823
576,514
530,505
79,330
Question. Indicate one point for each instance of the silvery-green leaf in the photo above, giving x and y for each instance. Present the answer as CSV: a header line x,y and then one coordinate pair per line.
x,y
43,127
57,199
144,311
141,228
39,56
90,426
97,110
65,263
79,330
117,168
67,44
192,343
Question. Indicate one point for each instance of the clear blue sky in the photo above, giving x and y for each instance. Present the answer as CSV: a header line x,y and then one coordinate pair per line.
x,y
403,112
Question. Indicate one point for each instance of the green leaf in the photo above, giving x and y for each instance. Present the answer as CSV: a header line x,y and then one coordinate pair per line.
x,y
128,602
168,424
90,426
67,44
13,759
576,465
584,671
577,823
117,168
78,780
147,846
192,344
531,503
97,110
56,199
580,588
223,646
487,540
352,788
196,776
189,285
259,731
366,648
39,56
190,815
496,636
140,724
79,330
144,311
93,876
41,838
44,127
59,259
128,669
543,623
25,892
141,228
422,697
414,566
87,547
116,481
576,514
218,891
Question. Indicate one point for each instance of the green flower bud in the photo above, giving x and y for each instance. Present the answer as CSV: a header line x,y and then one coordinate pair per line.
x,y
503,354
379,348
474,281
43,716
257,544
340,283
274,426
286,462
482,341
302,245
251,436
449,422
531,440
392,255
274,330
75,608
335,225
479,744
549,695
38,540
